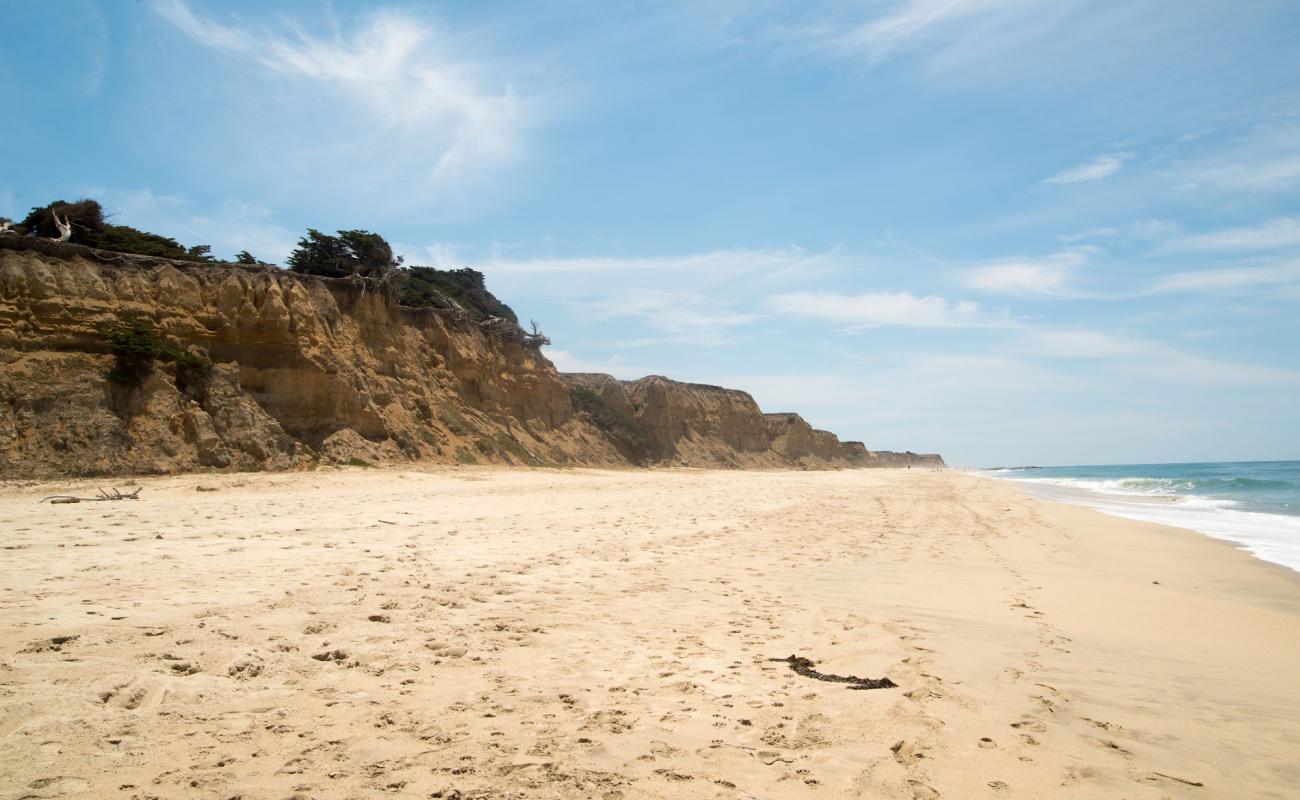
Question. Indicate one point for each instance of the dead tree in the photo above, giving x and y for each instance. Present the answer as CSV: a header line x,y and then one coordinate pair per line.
x,y
57,499
64,226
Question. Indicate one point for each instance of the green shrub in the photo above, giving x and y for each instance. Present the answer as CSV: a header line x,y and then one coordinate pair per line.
x,y
358,462
137,346
86,217
425,286
350,253
90,227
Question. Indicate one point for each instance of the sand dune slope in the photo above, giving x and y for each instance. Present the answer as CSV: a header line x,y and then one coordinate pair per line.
x,y
492,633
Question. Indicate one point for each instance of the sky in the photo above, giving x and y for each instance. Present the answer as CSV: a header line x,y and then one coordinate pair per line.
x,y
1009,231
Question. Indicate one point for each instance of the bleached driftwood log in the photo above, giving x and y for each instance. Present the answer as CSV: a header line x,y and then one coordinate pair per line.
x,y
56,499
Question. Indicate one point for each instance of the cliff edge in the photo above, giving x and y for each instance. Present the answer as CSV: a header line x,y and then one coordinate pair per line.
x,y
297,370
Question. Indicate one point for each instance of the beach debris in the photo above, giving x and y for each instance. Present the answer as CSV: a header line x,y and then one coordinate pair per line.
x,y
1178,779
804,666
56,499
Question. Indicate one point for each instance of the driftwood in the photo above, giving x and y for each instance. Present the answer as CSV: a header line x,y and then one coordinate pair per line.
x,y
56,499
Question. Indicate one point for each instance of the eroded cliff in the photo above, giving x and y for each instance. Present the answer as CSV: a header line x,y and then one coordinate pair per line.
x,y
699,425
301,370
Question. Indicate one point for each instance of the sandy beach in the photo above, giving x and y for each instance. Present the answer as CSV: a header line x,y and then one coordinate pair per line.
x,y
487,633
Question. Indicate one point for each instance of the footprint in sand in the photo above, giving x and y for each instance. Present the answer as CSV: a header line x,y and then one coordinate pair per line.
x,y
59,784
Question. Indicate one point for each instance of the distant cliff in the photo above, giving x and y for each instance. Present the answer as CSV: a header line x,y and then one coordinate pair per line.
x,y
699,425
252,367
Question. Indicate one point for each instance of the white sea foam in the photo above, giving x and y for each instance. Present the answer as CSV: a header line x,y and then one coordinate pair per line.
x,y
1271,537
1134,487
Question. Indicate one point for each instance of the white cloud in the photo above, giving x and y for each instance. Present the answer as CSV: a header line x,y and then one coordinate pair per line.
x,y
1079,343
1265,160
789,260
441,255
390,109
879,309
1153,228
912,23
956,38
1146,362
230,227
702,299
1092,233
1226,280
1100,167
567,361
786,392
1283,232
679,317
1050,276
1193,370
1278,172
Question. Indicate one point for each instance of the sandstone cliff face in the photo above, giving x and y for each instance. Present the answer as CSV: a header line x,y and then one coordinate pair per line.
x,y
307,370
304,369
699,425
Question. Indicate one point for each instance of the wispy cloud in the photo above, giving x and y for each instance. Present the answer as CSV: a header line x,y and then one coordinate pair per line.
x,y
1050,275
675,316
880,309
1101,167
709,263
1273,234
228,227
407,114
1078,343
568,361
701,299
953,35
909,23
1267,159
1228,280
914,23
1146,361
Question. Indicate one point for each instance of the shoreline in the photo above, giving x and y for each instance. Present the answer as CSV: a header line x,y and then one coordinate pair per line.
x,y
1244,529
560,633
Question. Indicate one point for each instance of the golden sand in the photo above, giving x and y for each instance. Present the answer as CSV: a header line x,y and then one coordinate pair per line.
x,y
493,633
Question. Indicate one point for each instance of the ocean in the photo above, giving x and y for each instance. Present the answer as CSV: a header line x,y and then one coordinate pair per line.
x,y
1254,504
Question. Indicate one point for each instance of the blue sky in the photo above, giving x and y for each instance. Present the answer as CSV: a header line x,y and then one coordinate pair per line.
x,y
1013,231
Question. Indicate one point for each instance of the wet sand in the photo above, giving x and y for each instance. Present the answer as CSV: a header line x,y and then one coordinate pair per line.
x,y
491,633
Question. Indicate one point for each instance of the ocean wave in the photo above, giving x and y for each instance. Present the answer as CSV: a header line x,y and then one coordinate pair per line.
x,y
1272,537
1177,489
